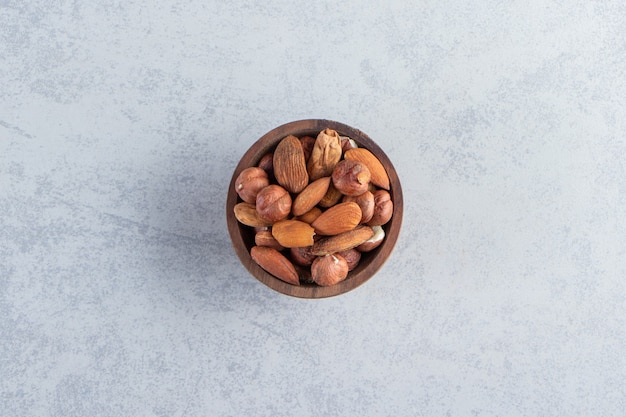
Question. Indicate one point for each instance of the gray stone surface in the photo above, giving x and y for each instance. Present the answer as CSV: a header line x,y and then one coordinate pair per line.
x,y
121,124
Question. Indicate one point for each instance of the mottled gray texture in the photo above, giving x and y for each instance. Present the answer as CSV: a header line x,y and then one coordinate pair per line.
x,y
121,124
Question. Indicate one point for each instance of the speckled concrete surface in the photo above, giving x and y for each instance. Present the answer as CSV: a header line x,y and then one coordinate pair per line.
x,y
121,124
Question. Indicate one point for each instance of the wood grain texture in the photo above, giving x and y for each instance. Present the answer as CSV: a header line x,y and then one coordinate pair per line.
x,y
242,237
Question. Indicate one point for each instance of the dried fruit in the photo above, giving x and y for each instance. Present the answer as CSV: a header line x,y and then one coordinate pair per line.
x,y
365,202
246,213
378,173
383,208
325,154
249,182
289,165
310,196
265,238
342,241
338,219
293,233
273,203
275,263
351,177
374,241
329,270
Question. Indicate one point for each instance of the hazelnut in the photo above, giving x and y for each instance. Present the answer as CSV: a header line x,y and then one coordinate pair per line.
x,y
383,208
249,182
365,202
373,242
273,203
267,164
352,257
329,270
302,256
351,177
347,143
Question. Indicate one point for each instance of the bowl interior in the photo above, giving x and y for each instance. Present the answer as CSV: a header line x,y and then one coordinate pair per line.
x,y
243,236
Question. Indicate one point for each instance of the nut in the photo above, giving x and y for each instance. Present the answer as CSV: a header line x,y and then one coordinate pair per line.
x,y
329,270
267,164
249,182
293,233
379,176
331,197
246,213
265,238
351,177
342,241
275,263
352,257
365,202
307,146
374,241
273,203
338,219
302,256
289,165
325,154
383,208
310,216
347,143
310,196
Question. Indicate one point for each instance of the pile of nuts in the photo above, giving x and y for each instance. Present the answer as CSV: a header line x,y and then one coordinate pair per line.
x,y
315,205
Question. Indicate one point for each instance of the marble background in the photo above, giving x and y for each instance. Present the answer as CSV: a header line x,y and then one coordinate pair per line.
x,y
121,123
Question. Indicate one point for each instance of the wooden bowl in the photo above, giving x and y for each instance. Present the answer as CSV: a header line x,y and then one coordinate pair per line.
x,y
243,236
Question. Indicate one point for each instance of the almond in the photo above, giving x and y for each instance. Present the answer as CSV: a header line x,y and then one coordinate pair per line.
x,y
310,216
342,241
378,174
338,219
246,213
310,196
293,233
289,165
275,263
331,197
265,238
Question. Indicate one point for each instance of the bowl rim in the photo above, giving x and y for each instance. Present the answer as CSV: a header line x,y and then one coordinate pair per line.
x,y
377,258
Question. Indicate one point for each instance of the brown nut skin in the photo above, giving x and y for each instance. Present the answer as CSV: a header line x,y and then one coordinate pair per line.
x,y
265,238
351,177
275,263
302,256
383,208
374,241
329,270
249,182
273,203
352,257
307,146
365,202
310,216
347,144
332,197
267,164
